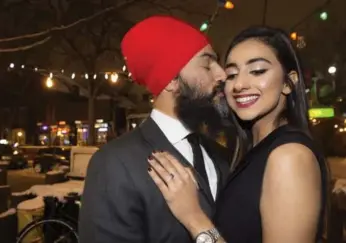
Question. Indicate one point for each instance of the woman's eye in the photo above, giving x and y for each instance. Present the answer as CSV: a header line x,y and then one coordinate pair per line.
x,y
258,72
231,76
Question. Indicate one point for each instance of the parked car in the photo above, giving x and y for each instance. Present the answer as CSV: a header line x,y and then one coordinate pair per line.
x,y
13,156
49,158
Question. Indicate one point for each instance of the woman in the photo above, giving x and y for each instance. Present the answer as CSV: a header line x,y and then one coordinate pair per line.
x,y
276,193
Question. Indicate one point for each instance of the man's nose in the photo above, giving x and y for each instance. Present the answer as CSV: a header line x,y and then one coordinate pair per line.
x,y
220,76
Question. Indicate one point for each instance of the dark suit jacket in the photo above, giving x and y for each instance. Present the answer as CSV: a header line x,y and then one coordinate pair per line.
x,y
121,203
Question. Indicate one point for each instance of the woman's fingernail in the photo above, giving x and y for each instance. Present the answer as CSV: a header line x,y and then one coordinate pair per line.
x,y
150,157
149,169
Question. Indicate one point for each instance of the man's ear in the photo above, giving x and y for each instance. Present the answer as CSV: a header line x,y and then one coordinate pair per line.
x,y
293,76
173,86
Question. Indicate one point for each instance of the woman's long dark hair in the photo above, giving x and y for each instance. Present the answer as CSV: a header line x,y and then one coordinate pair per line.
x,y
296,112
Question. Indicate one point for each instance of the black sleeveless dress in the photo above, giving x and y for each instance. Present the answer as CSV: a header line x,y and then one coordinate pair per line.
x,y
238,208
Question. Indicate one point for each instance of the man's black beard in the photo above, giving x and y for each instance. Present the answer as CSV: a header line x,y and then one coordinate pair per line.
x,y
195,109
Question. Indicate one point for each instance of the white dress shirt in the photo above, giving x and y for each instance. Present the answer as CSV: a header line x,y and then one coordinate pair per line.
x,y
176,134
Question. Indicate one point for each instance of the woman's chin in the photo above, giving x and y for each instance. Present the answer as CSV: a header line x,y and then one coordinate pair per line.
x,y
246,116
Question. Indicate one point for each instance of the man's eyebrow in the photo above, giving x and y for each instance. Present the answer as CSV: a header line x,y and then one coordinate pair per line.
x,y
212,56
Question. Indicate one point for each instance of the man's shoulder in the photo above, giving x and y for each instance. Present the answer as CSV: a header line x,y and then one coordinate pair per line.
x,y
124,141
119,146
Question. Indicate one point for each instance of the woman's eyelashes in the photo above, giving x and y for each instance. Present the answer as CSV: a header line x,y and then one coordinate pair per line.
x,y
231,76
258,72
255,72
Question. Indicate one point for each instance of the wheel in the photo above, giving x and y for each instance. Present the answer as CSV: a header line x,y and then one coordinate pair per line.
x,y
38,168
48,230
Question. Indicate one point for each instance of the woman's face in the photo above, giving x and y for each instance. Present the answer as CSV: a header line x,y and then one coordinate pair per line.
x,y
255,81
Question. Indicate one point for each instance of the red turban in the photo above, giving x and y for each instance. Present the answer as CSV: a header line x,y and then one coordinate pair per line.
x,y
157,48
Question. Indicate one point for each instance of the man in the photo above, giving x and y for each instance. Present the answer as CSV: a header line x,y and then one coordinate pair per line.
x,y
120,201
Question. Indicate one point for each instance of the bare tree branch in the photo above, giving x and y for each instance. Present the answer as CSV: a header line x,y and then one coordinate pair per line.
x,y
57,28
26,47
65,27
176,8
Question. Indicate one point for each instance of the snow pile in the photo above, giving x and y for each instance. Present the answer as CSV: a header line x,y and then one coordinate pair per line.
x,y
58,190
64,168
9,212
340,186
32,204
23,193
54,172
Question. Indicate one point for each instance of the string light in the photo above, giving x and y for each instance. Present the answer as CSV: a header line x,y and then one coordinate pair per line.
x,y
114,77
324,15
301,42
294,35
49,82
229,5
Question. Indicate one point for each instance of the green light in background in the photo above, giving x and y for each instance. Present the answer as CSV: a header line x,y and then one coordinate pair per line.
x,y
321,112
324,16
204,26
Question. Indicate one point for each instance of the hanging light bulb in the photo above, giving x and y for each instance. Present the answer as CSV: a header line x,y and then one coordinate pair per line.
x,y
114,77
106,76
324,15
124,68
95,76
301,42
204,26
130,74
73,75
332,70
22,66
51,75
294,35
229,5
49,82
12,65
36,69
86,76
62,70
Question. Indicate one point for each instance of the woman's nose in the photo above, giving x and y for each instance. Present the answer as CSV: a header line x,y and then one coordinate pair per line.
x,y
240,84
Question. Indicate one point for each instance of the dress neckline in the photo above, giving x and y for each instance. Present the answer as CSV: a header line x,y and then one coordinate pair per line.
x,y
268,138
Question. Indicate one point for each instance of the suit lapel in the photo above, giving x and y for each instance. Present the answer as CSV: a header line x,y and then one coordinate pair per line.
x,y
156,140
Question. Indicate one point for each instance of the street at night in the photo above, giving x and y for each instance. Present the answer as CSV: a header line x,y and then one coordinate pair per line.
x,y
204,121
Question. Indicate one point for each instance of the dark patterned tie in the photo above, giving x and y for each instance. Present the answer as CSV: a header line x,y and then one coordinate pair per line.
x,y
198,160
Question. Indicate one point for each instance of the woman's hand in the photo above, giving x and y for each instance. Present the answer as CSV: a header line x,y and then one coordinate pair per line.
x,y
180,190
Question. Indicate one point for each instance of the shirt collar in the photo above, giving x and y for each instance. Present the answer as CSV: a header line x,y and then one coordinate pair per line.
x,y
173,129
